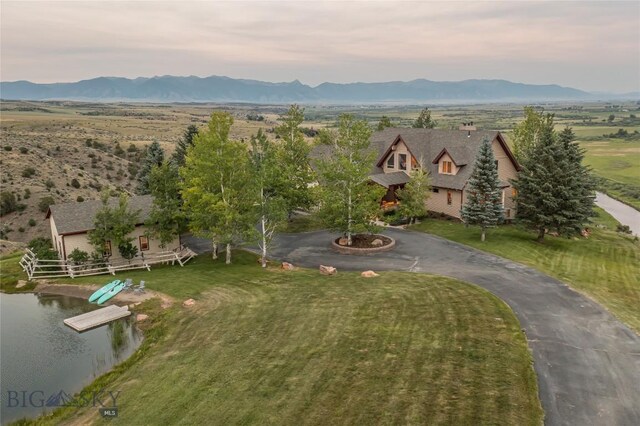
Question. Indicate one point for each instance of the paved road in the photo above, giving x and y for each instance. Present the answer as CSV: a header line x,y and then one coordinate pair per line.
x,y
587,362
623,213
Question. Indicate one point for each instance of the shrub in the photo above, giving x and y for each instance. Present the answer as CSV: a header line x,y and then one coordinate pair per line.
x,y
21,229
49,184
4,232
75,183
27,194
44,203
21,207
23,150
78,257
8,203
32,222
623,228
79,198
8,148
42,248
28,172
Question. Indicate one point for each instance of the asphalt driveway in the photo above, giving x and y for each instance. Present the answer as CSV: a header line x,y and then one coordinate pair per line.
x,y
587,362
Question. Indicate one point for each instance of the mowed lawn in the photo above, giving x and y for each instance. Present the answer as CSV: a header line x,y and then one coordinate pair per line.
x,y
296,347
606,266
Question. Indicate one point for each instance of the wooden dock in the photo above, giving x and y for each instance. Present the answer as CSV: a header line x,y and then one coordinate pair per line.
x,y
98,317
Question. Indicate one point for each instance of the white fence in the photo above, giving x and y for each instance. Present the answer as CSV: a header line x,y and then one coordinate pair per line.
x,y
56,268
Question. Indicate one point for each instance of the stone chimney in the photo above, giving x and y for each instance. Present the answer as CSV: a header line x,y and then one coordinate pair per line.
x,y
467,126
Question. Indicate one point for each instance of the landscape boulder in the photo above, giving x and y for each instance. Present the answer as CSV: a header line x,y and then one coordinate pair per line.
x,y
377,242
286,266
141,317
21,283
369,274
343,241
189,302
328,270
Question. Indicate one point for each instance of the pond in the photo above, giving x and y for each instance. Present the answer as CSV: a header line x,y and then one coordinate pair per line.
x,y
43,363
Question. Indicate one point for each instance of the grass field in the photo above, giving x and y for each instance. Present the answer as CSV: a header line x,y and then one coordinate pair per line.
x,y
606,266
280,347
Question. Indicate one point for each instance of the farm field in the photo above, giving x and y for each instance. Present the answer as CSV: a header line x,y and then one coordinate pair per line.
x,y
292,345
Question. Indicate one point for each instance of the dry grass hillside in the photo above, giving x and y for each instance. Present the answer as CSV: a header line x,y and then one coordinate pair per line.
x,y
67,150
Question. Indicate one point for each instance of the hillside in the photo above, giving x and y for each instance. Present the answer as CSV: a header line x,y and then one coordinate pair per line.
x,y
225,89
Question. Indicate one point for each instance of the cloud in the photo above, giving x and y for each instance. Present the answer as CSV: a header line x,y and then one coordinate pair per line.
x,y
569,43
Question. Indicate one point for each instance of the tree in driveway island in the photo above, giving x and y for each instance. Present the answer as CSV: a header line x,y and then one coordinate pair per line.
x,y
215,186
349,202
484,201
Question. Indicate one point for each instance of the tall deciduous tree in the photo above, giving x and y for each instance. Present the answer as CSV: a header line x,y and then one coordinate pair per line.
x,y
214,187
484,201
154,157
177,158
384,123
113,224
166,219
349,202
554,190
294,160
424,120
527,133
414,195
267,173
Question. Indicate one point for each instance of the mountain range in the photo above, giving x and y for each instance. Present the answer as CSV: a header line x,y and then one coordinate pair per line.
x,y
226,89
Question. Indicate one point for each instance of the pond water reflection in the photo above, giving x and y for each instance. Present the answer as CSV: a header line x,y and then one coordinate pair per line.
x,y
40,356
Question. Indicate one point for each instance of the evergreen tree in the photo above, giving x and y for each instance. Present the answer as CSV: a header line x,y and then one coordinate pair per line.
x,y
554,190
384,123
294,160
177,159
414,195
267,173
216,187
166,219
484,200
424,120
154,157
349,202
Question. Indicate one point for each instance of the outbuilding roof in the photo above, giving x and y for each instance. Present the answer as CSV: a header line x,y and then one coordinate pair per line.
x,y
79,217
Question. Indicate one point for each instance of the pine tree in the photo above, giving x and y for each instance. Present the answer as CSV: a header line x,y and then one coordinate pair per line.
x,y
154,157
414,195
424,120
184,143
484,201
294,160
554,190
349,201
166,219
384,123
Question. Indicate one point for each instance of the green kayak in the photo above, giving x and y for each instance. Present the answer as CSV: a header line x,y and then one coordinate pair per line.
x,y
101,291
109,294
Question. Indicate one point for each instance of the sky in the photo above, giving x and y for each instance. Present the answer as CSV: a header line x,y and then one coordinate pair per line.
x,y
593,46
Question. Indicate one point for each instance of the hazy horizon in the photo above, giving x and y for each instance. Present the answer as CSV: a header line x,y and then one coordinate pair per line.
x,y
592,46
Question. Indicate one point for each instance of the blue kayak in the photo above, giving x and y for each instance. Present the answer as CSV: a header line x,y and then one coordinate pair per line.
x,y
101,291
109,294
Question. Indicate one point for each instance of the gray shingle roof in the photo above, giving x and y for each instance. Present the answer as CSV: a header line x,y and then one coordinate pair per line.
x,y
71,218
426,144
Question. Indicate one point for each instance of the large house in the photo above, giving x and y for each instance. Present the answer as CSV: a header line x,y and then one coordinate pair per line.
x,y
448,156
71,222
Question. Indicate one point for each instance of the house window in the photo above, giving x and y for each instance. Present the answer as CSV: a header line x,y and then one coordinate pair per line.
x,y
449,197
436,190
446,167
107,248
403,161
144,243
507,213
514,192
496,164
414,163
391,163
